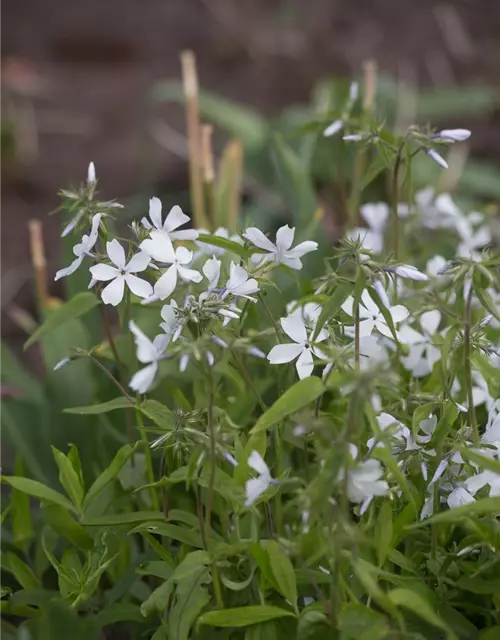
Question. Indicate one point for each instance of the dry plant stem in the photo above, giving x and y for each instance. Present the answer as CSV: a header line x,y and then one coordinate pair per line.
x,y
190,82
468,367
39,263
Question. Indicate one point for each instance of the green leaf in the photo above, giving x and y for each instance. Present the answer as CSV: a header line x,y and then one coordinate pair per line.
x,y
14,375
453,102
118,612
192,564
79,305
191,599
295,183
68,477
490,634
158,599
455,516
242,616
449,413
103,407
38,490
224,243
294,399
22,527
485,463
172,531
283,572
332,307
356,619
20,570
114,519
375,168
158,413
109,474
479,586
414,602
67,527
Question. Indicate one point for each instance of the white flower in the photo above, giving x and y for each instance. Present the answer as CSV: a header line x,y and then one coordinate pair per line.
x,y
239,284
363,481
82,249
453,135
333,128
408,271
376,216
121,273
91,177
281,252
472,241
432,153
160,248
211,271
371,317
353,91
459,497
355,137
435,266
175,218
428,426
171,325
309,312
301,348
255,487
477,482
396,428
422,353
148,353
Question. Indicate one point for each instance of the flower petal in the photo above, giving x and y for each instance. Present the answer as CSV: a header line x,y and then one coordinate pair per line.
x,y
166,284
183,255
159,247
369,305
398,313
254,488
155,212
257,463
366,327
256,237
189,274
146,351
67,271
187,234
113,292
301,249
139,262
375,215
116,253
138,286
284,238
333,128
104,272
175,218
211,270
429,321
143,379
282,353
72,224
305,364
294,328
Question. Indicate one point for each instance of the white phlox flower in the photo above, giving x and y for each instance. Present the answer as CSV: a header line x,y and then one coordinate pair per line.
x,y
398,431
408,271
472,240
171,325
376,216
459,497
160,248
432,153
122,274
435,266
422,353
239,284
482,479
175,218
333,128
364,482
301,348
255,487
308,312
453,135
371,317
82,249
281,252
150,353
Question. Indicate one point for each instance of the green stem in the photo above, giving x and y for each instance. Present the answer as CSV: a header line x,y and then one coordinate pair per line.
x,y
271,317
249,381
278,509
395,216
468,367
149,460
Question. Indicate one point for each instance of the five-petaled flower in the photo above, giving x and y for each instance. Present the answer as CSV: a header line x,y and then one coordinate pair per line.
x,y
422,353
150,353
371,317
301,348
175,219
122,274
82,249
281,252
255,487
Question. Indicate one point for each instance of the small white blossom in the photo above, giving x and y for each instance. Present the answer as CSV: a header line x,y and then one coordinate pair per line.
x,y
62,363
255,487
333,128
175,219
477,482
82,249
376,216
397,430
355,137
281,252
302,348
432,153
371,317
459,497
364,481
160,248
91,177
150,353
453,135
408,271
422,353
122,274
239,284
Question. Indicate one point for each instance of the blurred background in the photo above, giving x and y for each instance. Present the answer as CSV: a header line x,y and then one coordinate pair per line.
x,y
78,78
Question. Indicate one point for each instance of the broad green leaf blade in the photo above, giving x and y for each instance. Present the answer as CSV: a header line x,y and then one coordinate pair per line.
x,y
158,413
224,243
242,616
103,407
384,532
294,399
414,602
68,477
22,526
283,572
171,531
109,474
132,518
81,304
118,612
20,570
38,490
63,524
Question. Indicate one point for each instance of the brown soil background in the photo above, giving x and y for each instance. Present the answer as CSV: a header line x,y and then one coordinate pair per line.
x,y
96,61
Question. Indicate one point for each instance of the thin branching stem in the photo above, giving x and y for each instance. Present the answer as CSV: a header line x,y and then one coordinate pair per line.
x,y
468,366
